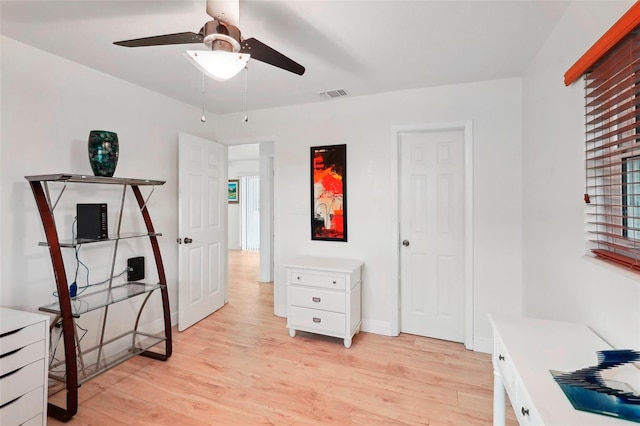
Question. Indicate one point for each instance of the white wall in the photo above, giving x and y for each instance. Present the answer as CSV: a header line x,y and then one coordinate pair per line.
x,y
47,116
364,124
266,212
560,282
235,170
49,105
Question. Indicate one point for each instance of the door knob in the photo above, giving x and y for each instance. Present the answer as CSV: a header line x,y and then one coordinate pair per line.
x,y
188,240
405,243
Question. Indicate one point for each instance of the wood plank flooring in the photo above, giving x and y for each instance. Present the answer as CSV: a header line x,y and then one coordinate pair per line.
x,y
240,367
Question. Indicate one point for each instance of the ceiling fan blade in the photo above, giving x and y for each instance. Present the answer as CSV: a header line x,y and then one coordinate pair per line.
x,y
161,40
264,53
225,10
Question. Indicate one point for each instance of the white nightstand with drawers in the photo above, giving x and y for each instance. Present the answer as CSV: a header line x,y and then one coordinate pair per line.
x,y
24,346
323,296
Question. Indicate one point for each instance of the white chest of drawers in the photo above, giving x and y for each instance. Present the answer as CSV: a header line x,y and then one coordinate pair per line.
x,y
524,350
323,296
23,368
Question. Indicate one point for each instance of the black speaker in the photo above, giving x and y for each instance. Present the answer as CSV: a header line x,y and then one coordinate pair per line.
x,y
92,222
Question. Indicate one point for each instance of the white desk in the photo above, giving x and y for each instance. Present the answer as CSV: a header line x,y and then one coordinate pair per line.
x,y
525,349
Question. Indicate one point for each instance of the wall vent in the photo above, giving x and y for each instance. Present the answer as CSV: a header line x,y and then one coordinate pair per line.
x,y
330,94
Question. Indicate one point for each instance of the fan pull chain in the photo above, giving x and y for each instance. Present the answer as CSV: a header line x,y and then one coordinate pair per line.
x,y
246,85
203,118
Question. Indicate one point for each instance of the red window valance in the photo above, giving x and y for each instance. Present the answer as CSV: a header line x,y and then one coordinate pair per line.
x,y
617,32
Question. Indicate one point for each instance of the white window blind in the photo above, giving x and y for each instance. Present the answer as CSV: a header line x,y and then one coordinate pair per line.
x,y
250,211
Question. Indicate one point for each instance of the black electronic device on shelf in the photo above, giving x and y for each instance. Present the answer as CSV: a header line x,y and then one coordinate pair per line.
x,y
92,222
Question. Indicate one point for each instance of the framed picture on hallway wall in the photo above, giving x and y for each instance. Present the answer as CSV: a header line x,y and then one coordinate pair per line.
x,y
233,191
329,193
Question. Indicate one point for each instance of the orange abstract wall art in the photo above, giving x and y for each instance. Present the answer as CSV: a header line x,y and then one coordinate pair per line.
x,y
328,189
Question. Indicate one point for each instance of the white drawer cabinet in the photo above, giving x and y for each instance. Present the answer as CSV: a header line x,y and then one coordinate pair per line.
x,y
323,296
524,350
23,367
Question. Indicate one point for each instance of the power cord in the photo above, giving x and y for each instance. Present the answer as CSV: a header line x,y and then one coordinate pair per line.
x,y
54,347
74,289
77,251
83,288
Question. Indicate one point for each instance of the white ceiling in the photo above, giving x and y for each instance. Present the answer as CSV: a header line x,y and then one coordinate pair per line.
x,y
364,47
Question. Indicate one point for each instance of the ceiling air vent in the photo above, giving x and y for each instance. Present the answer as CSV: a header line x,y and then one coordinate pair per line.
x,y
330,94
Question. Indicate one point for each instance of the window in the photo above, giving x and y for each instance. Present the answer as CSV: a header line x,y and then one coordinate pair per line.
x,y
631,197
612,108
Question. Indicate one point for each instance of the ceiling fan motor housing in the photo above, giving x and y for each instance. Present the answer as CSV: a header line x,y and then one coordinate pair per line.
x,y
221,36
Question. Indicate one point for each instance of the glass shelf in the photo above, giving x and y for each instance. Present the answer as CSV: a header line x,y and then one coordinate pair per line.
x,y
139,343
69,177
79,364
78,242
99,299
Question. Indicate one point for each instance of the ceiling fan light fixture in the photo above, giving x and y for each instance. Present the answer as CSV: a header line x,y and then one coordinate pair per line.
x,y
219,65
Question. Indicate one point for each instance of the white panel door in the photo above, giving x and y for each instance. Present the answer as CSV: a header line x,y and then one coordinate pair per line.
x,y
202,229
432,234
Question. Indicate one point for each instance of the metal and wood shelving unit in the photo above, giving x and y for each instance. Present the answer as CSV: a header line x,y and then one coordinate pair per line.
x,y
67,309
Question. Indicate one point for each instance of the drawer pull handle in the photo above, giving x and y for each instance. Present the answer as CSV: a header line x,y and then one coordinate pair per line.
x,y
11,372
11,353
10,402
316,319
298,278
9,333
501,357
524,411
316,299
334,282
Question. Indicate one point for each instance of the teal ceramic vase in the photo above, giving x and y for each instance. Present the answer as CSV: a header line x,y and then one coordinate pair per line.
x,y
103,152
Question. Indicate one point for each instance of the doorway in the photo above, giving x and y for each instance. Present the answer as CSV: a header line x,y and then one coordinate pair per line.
x,y
434,255
251,220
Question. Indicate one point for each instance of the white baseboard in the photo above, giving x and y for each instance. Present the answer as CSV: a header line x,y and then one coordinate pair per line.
x,y
483,344
377,327
281,311
157,326
480,344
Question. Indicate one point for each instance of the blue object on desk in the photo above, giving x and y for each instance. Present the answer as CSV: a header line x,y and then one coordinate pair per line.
x,y
588,391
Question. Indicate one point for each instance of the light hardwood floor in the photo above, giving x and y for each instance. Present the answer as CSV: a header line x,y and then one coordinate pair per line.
x,y
240,367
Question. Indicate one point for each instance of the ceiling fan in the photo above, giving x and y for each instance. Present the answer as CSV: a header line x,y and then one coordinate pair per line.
x,y
222,35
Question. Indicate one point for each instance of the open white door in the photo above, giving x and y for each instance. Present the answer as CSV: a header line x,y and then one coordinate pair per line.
x,y
202,228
